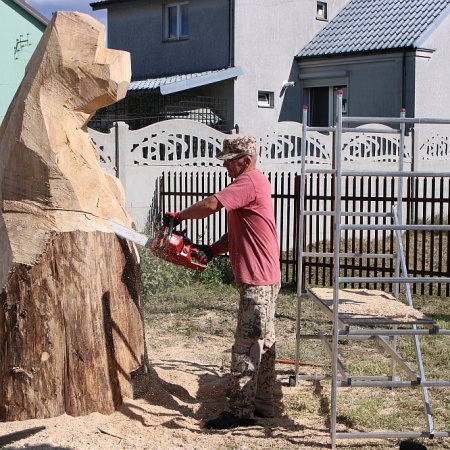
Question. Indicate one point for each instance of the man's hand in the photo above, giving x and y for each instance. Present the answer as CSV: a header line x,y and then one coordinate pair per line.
x,y
173,217
204,253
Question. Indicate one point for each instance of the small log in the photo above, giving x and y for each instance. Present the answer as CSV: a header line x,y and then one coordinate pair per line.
x,y
71,329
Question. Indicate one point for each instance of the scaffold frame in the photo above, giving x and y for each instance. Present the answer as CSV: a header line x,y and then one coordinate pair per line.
x,y
384,332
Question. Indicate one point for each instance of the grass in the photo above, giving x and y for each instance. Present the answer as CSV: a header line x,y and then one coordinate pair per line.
x,y
369,409
200,308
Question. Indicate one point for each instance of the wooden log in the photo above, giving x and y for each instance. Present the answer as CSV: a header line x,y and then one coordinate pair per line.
x,y
71,329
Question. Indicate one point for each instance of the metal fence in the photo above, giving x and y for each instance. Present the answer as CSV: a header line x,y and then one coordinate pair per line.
x,y
426,200
181,188
140,109
427,253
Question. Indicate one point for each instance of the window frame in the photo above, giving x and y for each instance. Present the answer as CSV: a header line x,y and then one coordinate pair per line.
x,y
179,21
269,103
331,101
324,16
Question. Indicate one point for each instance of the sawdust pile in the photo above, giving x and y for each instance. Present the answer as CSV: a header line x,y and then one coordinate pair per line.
x,y
182,391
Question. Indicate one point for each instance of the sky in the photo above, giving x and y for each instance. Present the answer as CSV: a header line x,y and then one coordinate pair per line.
x,y
47,7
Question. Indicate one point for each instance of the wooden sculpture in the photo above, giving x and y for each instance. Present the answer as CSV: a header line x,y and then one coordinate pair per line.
x,y
70,319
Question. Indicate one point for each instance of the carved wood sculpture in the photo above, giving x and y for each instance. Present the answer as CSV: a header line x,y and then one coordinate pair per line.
x,y
70,319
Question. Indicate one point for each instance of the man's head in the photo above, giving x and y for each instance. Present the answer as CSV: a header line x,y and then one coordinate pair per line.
x,y
237,145
239,154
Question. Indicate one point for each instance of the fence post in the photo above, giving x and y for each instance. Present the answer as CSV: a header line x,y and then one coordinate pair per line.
x,y
415,136
116,150
122,137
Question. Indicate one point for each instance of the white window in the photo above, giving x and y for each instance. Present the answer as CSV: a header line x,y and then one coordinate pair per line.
x,y
177,21
265,99
321,12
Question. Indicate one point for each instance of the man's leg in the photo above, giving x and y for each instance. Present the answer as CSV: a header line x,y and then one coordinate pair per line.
x,y
266,375
255,308
247,351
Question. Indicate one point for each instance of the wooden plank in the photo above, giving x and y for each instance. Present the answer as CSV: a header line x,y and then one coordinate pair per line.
x,y
364,306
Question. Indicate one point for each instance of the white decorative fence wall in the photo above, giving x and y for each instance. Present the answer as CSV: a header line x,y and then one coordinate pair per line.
x,y
139,157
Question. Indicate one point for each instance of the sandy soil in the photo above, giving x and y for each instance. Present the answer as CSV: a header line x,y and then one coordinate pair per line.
x,y
186,386
184,389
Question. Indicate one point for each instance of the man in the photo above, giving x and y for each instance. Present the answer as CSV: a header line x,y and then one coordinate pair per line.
x,y
252,244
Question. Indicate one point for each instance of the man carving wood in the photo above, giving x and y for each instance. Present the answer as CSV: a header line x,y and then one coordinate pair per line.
x,y
252,244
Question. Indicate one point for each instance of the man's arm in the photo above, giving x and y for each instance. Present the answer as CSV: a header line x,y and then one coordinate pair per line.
x,y
202,209
221,246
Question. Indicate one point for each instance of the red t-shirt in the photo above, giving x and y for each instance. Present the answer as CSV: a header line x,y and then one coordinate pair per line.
x,y
252,236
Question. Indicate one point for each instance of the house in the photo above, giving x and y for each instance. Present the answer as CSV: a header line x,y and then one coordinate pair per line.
x,y
21,30
227,63
385,55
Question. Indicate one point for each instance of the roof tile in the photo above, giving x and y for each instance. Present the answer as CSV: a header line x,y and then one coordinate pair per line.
x,y
370,25
155,83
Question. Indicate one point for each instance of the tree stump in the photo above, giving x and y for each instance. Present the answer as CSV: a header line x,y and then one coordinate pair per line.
x,y
71,329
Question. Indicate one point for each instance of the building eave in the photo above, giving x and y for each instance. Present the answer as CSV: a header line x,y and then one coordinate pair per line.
x,y
356,53
179,83
105,4
33,12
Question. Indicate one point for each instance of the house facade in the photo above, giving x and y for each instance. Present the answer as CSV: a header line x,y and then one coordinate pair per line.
x,y
384,56
21,30
227,62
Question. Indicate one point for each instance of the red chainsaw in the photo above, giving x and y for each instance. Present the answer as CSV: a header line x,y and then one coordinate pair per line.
x,y
176,248
167,244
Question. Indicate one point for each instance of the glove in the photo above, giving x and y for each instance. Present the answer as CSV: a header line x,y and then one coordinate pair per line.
x,y
168,217
204,253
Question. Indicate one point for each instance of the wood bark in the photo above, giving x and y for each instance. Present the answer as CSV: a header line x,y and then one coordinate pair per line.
x,y
71,330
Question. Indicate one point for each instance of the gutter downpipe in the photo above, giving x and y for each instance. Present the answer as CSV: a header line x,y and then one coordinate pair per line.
x,y
231,28
231,33
403,106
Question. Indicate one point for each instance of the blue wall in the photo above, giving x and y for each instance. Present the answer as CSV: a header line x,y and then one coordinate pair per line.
x,y
15,22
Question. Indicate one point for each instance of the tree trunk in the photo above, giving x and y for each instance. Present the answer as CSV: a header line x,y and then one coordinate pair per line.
x,y
71,329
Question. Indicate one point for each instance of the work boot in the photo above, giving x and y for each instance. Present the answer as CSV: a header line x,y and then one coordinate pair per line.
x,y
264,408
266,413
411,445
227,420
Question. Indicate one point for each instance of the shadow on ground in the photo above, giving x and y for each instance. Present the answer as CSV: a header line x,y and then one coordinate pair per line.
x,y
208,401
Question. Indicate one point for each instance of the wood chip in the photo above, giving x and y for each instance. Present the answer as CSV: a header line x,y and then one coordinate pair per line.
x,y
110,434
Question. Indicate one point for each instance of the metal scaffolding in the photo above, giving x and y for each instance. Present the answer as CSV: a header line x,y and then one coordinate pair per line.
x,y
348,325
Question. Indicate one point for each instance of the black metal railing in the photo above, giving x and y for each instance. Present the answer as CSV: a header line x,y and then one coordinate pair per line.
x,y
426,200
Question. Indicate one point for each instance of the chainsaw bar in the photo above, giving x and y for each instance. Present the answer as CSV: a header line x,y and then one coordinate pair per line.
x,y
132,235
167,244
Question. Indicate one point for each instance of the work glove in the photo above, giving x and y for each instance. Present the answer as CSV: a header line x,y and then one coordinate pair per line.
x,y
204,253
168,217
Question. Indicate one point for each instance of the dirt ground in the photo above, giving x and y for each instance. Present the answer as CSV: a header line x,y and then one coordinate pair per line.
x,y
186,386
183,390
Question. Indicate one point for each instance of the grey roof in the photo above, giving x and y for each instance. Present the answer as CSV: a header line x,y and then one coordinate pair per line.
x,y
177,83
377,25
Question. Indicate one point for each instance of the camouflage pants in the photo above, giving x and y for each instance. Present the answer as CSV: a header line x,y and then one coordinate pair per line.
x,y
253,354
